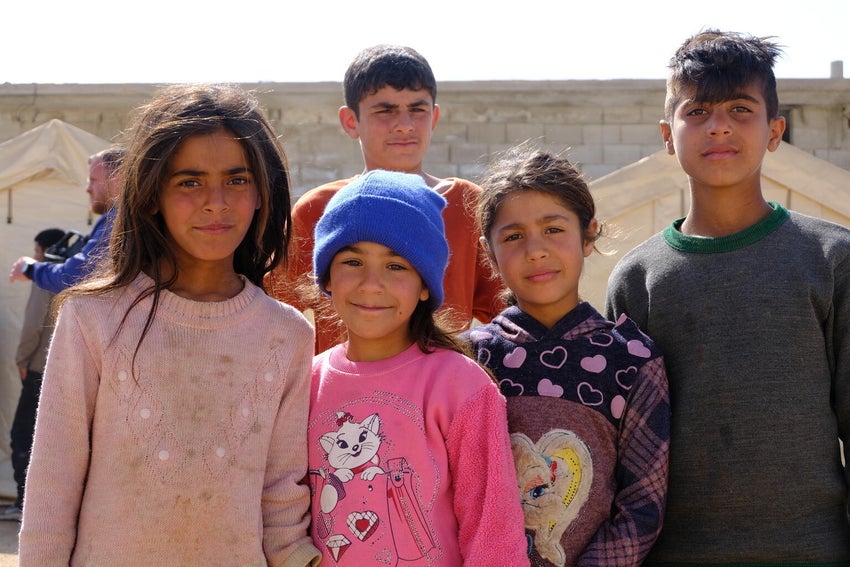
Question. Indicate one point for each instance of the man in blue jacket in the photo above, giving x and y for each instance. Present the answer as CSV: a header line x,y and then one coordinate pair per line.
x,y
103,189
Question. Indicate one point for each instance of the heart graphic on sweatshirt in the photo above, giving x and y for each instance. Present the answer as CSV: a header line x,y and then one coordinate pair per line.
x,y
483,357
554,358
363,524
626,378
589,396
515,358
618,406
546,388
476,335
510,388
601,339
595,364
637,348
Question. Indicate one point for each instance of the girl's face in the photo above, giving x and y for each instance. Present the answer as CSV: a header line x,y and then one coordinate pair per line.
x,y
208,200
374,291
538,247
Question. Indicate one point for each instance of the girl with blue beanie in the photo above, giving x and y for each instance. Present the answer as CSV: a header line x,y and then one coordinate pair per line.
x,y
409,456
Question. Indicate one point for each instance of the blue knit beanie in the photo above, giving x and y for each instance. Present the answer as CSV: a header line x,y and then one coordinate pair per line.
x,y
395,209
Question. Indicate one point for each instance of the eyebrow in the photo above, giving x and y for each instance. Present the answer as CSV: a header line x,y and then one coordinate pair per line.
x,y
198,172
734,96
390,105
542,220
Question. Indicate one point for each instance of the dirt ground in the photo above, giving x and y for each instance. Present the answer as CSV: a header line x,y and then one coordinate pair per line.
x,y
8,542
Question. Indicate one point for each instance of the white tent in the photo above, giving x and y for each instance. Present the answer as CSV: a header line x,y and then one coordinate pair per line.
x,y
643,198
43,177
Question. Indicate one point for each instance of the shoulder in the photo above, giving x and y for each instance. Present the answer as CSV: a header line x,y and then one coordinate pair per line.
x,y
314,200
280,312
642,256
460,190
826,233
637,343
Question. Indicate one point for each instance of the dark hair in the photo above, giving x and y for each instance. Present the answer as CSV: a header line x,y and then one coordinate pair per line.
x,y
525,168
139,236
386,65
719,64
48,237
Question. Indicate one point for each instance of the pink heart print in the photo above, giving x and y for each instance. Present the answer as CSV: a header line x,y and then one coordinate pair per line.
x,y
554,358
515,358
589,395
546,388
618,406
637,348
595,364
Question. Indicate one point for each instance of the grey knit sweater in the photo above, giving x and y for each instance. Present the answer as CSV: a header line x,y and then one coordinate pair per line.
x,y
755,329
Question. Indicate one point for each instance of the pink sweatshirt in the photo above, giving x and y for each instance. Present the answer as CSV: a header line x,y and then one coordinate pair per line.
x,y
410,463
193,453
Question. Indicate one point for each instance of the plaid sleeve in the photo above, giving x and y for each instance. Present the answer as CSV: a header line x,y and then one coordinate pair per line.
x,y
642,463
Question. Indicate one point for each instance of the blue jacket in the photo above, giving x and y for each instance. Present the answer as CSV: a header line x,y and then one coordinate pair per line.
x,y
56,277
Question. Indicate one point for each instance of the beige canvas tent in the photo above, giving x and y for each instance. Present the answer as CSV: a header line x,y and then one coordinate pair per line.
x,y
43,177
642,198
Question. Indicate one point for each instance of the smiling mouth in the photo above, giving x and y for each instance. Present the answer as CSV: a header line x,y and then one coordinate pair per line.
x,y
542,276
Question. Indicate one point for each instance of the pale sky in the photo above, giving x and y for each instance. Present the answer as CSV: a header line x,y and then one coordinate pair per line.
x,y
166,41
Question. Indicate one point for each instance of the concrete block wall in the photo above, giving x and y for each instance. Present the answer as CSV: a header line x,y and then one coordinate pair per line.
x,y
600,125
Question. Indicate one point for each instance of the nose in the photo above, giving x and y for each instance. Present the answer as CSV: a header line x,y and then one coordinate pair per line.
x,y
536,248
371,280
216,200
719,123
405,121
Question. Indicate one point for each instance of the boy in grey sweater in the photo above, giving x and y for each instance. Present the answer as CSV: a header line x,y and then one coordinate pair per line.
x,y
750,304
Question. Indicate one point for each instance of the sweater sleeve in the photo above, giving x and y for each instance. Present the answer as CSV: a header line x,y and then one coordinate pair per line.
x,y
286,495
58,468
642,464
486,498
838,339
627,293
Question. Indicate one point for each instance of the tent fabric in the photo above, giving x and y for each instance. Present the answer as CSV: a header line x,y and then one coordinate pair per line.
x,y
43,178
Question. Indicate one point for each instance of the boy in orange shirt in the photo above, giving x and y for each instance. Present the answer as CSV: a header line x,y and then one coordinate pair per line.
x,y
390,108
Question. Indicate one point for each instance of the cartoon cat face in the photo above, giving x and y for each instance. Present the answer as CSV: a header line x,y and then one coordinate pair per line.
x,y
353,444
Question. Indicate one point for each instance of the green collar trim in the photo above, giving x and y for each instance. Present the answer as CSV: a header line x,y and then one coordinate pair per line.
x,y
706,245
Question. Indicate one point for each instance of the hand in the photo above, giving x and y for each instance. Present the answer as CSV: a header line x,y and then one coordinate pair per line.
x,y
17,272
23,371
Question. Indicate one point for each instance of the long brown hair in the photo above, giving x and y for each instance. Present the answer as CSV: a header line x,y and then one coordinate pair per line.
x,y
139,240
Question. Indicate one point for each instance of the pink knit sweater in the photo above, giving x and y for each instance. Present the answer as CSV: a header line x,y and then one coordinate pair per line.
x,y
193,452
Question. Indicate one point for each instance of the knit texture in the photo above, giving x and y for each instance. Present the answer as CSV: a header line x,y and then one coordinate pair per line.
x,y
190,451
755,330
395,209
410,463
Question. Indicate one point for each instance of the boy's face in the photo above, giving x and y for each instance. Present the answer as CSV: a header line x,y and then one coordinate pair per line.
x,y
394,128
722,144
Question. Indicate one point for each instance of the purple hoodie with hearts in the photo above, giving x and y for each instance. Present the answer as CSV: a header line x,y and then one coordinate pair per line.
x,y
589,417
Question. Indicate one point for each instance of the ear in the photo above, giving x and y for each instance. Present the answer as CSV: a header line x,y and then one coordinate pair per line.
x,y
435,116
490,256
327,442
589,240
424,294
777,128
667,136
348,121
